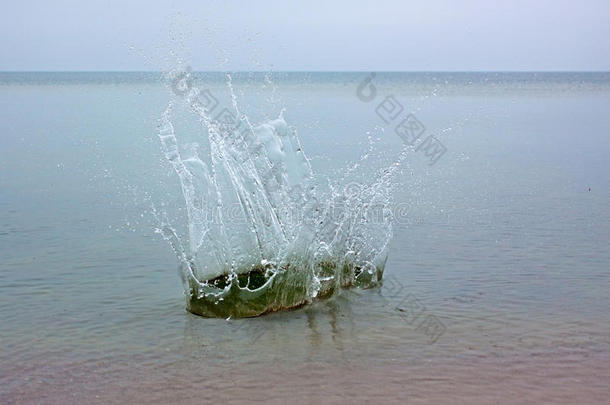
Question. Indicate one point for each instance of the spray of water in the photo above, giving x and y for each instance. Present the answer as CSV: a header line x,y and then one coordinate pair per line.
x,y
294,242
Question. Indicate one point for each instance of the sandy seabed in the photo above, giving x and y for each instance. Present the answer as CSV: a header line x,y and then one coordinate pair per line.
x,y
568,377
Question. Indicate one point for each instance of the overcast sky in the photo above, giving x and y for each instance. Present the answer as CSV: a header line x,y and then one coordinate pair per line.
x,y
306,35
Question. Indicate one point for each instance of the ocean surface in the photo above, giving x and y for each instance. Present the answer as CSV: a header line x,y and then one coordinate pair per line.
x,y
496,286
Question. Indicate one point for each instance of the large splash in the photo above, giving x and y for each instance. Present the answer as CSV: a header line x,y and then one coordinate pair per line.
x,y
289,242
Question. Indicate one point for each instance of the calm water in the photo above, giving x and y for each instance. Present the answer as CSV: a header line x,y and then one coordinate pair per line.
x,y
503,243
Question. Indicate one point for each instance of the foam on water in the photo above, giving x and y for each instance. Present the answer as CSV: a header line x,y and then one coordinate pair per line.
x,y
293,242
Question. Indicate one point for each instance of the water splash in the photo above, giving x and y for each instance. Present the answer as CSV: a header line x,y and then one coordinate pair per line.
x,y
293,242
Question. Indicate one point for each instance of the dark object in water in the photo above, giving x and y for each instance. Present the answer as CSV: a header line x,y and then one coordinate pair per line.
x,y
264,289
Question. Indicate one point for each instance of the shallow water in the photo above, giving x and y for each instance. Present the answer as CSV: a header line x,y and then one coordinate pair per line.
x,y
500,241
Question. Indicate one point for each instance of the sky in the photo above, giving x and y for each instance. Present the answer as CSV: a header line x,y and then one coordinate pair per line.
x,y
313,35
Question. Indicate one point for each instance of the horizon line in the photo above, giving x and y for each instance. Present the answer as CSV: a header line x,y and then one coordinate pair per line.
x,y
310,71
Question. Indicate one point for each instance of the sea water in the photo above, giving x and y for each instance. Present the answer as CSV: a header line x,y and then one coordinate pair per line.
x,y
503,241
